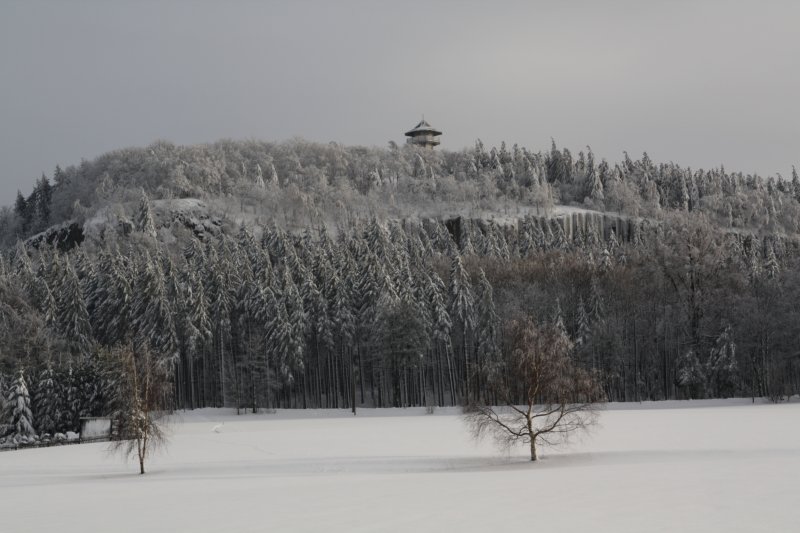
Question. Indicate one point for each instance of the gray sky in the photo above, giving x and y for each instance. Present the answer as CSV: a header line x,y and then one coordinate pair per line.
x,y
698,83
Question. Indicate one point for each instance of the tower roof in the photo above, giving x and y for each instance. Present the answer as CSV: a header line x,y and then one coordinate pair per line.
x,y
422,127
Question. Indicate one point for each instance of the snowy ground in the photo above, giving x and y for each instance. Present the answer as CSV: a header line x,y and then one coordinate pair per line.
x,y
669,466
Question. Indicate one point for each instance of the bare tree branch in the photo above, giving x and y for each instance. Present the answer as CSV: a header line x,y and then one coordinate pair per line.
x,y
560,397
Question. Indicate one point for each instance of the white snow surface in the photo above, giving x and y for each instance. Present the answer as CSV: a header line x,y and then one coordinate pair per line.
x,y
668,466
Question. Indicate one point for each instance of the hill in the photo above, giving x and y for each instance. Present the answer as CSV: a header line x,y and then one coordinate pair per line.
x,y
307,275
297,184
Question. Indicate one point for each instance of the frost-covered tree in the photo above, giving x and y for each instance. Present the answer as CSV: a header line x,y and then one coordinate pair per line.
x,y
465,240
584,328
690,374
72,316
259,178
285,344
46,402
722,370
772,266
111,300
594,188
92,387
195,329
461,299
399,342
71,409
152,316
273,175
606,263
18,407
597,311
487,323
683,193
441,335
558,317
316,310
462,308
144,216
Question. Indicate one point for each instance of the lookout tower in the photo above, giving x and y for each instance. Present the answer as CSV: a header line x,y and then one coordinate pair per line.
x,y
424,135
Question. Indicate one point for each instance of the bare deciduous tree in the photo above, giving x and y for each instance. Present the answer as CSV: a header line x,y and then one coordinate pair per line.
x,y
542,395
142,394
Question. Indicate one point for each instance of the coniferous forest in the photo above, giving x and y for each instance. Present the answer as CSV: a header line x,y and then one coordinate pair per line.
x,y
302,275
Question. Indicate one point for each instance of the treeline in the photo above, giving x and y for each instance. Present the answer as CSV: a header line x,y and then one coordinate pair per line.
x,y
403,313
50,403
302,184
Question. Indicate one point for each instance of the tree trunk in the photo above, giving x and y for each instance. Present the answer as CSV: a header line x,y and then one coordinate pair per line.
x,y
141,449
352,384
534,457
466,364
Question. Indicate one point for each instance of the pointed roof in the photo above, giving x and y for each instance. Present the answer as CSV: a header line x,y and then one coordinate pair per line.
x,y
423,127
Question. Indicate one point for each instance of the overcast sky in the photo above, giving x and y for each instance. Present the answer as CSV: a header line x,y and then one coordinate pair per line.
x,y
698,83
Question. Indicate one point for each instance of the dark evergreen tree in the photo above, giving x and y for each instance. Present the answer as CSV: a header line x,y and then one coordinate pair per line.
x,y
487,323
72,316
46,403
151,312
462,308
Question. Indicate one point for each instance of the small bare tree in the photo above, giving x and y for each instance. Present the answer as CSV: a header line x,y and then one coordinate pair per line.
x,y
143,389
542,395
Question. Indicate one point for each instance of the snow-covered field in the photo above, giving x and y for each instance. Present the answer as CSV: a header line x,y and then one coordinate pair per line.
x,y
669,466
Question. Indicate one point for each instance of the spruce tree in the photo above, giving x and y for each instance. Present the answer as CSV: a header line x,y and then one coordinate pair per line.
x,y
487,323
111,300
286,332
21,206
144,217
613,243
467,248
558,317
683,193
722,369
439,313
606,263
259,178
70,412
559,241
399,342
196,322
772,267
594,188
273,175
72,316
461,299
285,344
462,308
316,309
341,311
18,405
690,374
152,316
47,402
597,312
584,328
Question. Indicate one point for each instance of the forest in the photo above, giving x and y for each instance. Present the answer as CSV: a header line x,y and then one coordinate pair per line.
x,y
338,277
